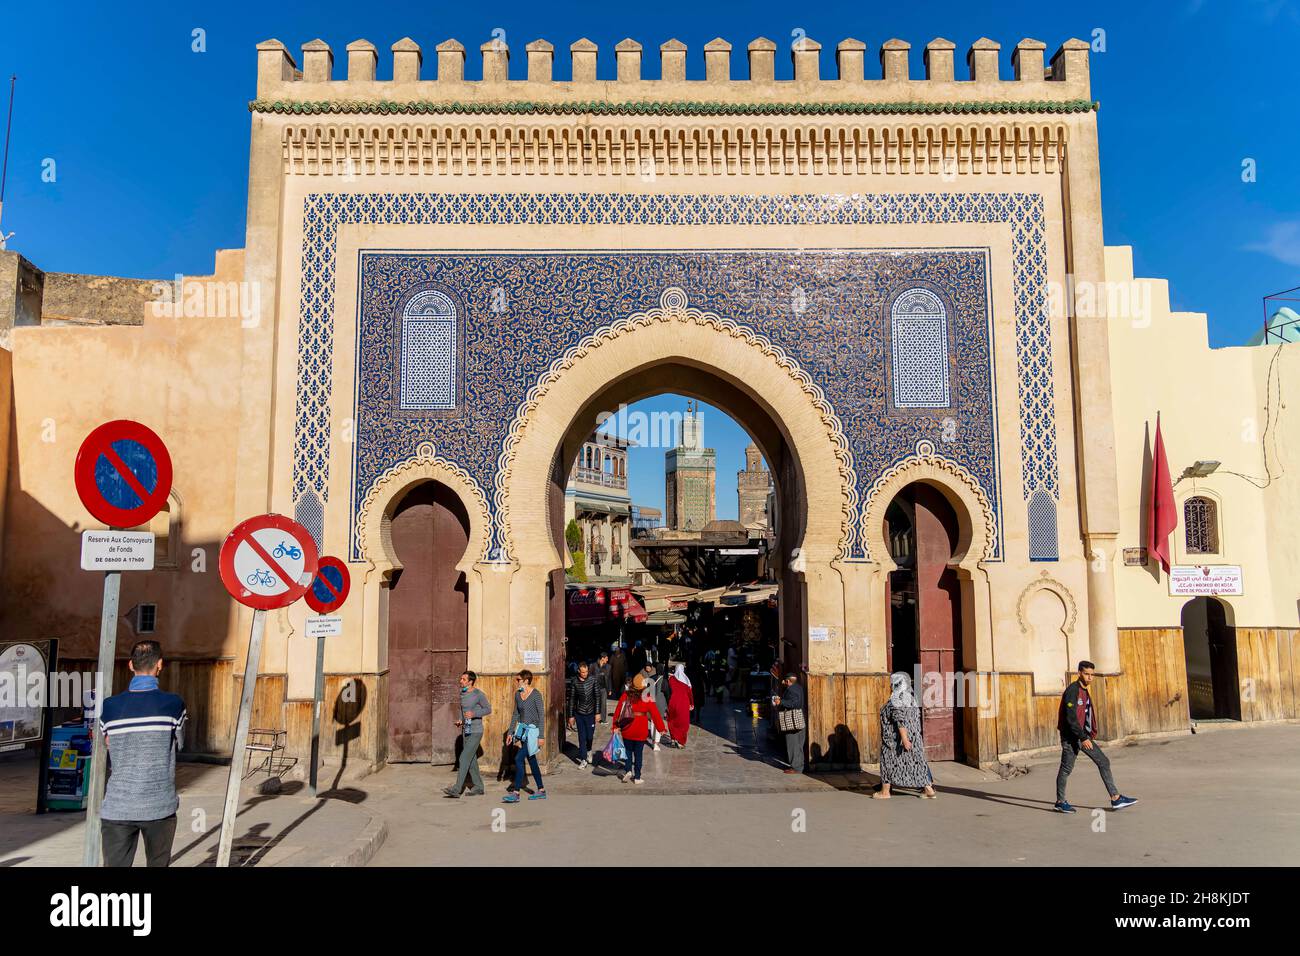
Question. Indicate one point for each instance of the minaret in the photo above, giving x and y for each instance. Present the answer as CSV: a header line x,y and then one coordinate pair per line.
x,y
690,477
752,487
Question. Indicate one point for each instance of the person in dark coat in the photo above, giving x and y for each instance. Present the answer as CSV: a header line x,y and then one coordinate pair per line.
x,y
617,672
637,658
696,678
601,670
795,740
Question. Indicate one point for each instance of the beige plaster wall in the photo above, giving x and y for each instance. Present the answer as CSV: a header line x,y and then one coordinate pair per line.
x,y
180,377
1214,404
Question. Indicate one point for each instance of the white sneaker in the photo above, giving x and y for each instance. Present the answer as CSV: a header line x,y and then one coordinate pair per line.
x,y
638,781
656,748
582,765
623,776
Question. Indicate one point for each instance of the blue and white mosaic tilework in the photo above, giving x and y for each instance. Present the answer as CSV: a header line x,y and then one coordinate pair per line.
x,y
1023,212
825,310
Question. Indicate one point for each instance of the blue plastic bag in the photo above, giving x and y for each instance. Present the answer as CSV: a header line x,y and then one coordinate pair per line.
x,y
614,751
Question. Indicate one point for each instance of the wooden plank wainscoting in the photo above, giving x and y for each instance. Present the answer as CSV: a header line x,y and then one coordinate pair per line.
x,y
353,725
1148,695
203,683
844,718
1026,720
1268,662
500,690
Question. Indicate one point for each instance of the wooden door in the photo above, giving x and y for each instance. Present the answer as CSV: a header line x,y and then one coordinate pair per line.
x,y
428,626
1223,662
938,611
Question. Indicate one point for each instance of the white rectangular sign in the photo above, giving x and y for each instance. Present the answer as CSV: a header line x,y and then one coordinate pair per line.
x,y
117,550
819,633
532,658
1198,580
328,626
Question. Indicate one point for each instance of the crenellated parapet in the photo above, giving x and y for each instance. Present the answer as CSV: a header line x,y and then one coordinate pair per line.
x,y
1029,82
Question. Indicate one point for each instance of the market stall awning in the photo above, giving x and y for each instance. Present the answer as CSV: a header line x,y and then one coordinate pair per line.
x,y
600,507
626,607
748,595
666,617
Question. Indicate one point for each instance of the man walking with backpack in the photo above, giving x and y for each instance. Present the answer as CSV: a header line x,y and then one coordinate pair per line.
x,y
1077,722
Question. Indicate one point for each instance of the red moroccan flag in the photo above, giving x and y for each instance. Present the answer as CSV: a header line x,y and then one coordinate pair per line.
x,y
1162,516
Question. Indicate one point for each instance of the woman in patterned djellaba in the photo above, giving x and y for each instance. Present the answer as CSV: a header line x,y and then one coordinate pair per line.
x,y
902,751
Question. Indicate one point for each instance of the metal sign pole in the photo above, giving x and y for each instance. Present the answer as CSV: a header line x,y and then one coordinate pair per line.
x,y
241,738
315,720
90,855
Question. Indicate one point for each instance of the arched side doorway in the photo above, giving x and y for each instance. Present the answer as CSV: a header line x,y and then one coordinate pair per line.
x,y
960,520
428,624
1210,652
923,618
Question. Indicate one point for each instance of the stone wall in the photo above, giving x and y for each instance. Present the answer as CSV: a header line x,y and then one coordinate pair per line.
x,y
74,299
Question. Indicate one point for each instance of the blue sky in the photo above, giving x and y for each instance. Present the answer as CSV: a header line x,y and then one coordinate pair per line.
x,y
149,140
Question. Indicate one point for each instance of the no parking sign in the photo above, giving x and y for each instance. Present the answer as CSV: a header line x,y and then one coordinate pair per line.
x,y
330,588
123,473
268,562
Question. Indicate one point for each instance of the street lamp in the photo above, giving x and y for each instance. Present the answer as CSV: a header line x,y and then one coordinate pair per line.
x,y
1202,468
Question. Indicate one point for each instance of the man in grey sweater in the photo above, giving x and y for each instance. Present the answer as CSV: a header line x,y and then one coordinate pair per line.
x,y
143,727
474,707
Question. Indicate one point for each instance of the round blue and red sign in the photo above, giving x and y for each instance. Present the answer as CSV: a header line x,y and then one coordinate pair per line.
x,y
330,588
123,474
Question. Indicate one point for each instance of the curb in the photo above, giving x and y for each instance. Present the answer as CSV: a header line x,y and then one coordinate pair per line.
x,y
365,846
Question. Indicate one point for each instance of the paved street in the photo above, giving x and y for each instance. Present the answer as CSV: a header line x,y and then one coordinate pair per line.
x,y
1219,798
1222,797
281,829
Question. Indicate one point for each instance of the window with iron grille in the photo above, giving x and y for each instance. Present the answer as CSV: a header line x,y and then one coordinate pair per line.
x,y
919,347
1201,524
429,360
148,618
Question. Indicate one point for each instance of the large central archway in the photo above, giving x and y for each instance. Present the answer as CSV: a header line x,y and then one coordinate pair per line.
x,y
679,349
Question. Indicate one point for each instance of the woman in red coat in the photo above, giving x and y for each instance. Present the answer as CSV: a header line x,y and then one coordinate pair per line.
x,y
633,717
681,701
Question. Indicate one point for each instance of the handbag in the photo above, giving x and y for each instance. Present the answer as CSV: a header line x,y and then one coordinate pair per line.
x,y
626,716
789,721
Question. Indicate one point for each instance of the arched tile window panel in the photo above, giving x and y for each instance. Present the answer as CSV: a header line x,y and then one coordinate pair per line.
x,y
918,327
429,345
1201,525
1042,527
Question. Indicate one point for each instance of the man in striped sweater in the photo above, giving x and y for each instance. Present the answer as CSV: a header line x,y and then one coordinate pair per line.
x,y
143,729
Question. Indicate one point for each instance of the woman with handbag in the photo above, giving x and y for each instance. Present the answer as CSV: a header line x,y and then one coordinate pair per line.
x,y
632,718
528,720
902,751
790,721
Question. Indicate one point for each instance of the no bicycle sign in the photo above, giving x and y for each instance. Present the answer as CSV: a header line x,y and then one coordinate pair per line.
x,y
268,562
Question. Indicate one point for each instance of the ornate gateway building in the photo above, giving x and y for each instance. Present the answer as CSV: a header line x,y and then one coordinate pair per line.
x,y
891,283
